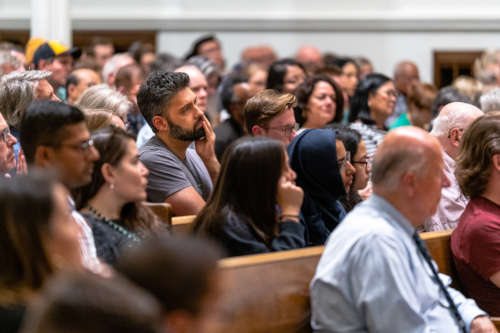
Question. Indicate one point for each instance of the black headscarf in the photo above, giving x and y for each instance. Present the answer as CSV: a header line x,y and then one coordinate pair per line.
x,y
313,156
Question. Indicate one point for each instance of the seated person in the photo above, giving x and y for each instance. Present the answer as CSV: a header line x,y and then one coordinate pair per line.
x,y
475,242
101,118
359,159
376,274
270,114
242,214
234,95
319,102
85,303
37,239
325,173
182,274
178,175
285,75
112,201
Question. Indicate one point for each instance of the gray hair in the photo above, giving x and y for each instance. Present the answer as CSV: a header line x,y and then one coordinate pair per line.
x,y
6,57
101,96
490,101
17,91
111,66
460,115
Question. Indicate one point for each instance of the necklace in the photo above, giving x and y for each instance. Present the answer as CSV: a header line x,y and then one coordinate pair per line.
x,y
113,225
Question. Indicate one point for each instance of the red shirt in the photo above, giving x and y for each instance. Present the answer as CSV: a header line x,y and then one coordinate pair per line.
x,y
475,244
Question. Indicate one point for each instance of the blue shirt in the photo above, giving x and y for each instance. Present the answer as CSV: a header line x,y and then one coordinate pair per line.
x,y
372,278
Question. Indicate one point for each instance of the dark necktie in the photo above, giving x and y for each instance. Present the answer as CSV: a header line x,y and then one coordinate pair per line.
x,y
422,247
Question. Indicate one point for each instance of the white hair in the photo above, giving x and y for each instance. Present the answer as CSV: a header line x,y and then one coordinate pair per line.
x,y
453,115
103,97
6,57
17,91
490,101
113,64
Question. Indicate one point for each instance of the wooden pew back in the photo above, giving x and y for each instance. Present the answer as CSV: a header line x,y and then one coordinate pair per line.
x,y
183,224
161,209
270,292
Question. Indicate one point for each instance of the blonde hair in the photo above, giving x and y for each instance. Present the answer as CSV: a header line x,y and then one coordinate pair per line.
x,y
468,86
97,118
103,97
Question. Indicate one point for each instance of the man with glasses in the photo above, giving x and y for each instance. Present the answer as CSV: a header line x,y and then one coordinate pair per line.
x,y
270,114
54,136
449,128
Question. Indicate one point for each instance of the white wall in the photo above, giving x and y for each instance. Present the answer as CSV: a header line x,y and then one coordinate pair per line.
x,y
385,31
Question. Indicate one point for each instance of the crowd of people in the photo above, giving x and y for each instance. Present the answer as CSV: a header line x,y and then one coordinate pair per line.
x,y
272,154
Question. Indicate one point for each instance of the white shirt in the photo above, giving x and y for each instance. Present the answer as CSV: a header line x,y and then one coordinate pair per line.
x,y
452,203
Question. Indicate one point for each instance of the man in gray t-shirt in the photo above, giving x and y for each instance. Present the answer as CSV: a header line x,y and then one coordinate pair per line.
x,y
179,175
168,174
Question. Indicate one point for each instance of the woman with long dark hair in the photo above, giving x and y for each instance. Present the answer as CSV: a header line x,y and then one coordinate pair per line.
x,y
255,204
112,201
38,237
285,75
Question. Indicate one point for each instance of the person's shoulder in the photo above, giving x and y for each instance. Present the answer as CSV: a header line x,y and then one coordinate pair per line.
x,y
155,150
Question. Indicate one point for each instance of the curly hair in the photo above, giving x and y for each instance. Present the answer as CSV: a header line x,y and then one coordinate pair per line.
x,y
480,142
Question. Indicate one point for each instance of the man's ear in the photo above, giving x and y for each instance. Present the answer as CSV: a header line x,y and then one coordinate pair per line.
x,y
43,63
71,89
257,130
44,156
409,181
160,123
454,137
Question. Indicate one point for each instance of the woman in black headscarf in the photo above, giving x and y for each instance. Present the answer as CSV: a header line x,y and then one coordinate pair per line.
x,y
325,174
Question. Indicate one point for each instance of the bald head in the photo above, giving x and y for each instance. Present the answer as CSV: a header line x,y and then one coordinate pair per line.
x,y
310,57
78,81
394,157
408,172
449,126
405,74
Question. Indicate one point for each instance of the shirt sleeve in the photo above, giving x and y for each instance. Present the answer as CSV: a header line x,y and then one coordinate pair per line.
x,y
166,176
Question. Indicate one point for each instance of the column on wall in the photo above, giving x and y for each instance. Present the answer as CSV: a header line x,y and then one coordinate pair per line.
x,y
50,19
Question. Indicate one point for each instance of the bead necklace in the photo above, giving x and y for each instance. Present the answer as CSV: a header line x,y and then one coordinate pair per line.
x,y
112,224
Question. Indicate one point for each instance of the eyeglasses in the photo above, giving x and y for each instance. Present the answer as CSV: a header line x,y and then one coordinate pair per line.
x,y
5,134
342,163
83,146
364,162
286,130
391,93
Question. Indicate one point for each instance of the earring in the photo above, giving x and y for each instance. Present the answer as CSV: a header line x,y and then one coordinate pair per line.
x,y
112,187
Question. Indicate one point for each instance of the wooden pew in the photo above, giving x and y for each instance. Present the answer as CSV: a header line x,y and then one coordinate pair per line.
x,y
161,209
183,224
268,292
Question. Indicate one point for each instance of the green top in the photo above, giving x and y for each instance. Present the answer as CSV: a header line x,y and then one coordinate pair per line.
x,y
401,121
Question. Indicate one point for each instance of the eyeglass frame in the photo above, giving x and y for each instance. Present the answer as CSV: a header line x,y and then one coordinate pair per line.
x,y
286,130
83,146
342,163
365,163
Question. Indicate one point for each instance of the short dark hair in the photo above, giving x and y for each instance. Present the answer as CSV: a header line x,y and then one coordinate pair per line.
x,y
43,124
176,270
448,95
125,75
479,143
195,47
227,90
71,79
157,91
368,85
266,105
304,92
277,72
84,302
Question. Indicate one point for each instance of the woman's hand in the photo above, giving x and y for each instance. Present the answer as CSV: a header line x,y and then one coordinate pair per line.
x,y
290,197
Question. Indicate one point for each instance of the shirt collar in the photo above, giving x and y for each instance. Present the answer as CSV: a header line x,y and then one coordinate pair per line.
x,y
395,217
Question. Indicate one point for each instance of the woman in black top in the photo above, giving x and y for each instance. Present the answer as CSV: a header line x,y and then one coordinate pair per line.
x,y
38,237
112,201
255,204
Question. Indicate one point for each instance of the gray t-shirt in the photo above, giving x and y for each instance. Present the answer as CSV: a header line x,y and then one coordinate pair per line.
x,y
168,174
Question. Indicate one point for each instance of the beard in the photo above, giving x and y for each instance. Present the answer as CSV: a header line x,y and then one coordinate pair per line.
x,y
179,133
